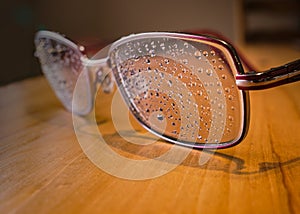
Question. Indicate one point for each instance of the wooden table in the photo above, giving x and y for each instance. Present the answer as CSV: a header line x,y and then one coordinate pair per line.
x,y
43,169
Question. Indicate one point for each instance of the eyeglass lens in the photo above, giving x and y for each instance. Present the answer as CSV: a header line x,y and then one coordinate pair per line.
x,y
62,65
181,89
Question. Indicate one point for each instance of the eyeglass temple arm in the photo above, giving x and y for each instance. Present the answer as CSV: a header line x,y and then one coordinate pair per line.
x,y
281,75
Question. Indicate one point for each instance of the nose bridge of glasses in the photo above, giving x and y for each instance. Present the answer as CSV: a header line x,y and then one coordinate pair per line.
x,y
100,72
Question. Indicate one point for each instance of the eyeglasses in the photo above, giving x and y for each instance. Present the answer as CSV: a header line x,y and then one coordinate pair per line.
x,y
187,89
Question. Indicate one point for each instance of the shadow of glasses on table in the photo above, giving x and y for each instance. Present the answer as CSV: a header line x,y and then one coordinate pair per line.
x,y
218,160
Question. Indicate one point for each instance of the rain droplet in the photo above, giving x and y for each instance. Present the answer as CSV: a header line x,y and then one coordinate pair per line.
x,y
152,53
160,117
221,106
209,72
197,54
212,53
221,67
227,90
170,83
205,53
224,76
200,70
185,61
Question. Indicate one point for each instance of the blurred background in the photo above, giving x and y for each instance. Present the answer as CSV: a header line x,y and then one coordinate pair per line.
x,y
91,21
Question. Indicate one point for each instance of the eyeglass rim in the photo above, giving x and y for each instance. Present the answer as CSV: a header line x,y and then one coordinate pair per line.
x,y
208,38
239,69
60,38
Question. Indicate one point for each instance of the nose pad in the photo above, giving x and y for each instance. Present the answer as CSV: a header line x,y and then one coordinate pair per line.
x,y
108,84
106,80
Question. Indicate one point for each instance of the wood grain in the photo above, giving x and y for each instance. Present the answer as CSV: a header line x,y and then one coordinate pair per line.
x,y
43,169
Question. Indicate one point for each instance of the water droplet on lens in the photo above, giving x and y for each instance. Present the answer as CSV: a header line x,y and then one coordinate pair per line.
x,y
221,67
205,53
200,70
227,90
209,72
224,76
219,91
197,54
160,117
152,53
213,53
185,61
221,106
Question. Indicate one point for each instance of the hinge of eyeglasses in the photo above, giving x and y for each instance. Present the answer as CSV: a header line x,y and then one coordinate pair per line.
x,y
275,76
